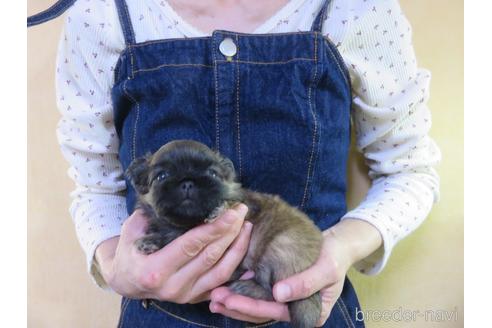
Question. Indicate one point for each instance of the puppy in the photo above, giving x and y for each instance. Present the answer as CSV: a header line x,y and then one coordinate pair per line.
x,y
185,184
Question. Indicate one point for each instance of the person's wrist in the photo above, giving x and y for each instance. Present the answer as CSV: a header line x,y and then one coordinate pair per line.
x,y
353,239
104,256
340,252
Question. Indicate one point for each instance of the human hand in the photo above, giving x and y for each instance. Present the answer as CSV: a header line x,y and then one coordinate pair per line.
x,y
326,275
340,250
186,269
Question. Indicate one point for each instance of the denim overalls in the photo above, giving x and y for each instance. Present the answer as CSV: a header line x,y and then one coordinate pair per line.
x,y
278,105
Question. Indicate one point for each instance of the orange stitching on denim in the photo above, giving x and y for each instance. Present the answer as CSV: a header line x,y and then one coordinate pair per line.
x,y
315,119
170,65
150,42
218,61
180,318
237,113
131,62
268,63
217,130
346,313
134,137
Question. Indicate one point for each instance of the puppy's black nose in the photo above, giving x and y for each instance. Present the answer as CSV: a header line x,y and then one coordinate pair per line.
x,y
187,187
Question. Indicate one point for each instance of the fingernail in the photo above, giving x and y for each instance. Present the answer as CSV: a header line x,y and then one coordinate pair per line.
x,y
248,225
213,308
242,209
283,292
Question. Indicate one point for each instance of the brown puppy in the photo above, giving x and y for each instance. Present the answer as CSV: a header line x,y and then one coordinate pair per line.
x,y
185,184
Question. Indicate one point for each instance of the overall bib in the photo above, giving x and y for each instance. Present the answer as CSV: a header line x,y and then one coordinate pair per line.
x,y
278,105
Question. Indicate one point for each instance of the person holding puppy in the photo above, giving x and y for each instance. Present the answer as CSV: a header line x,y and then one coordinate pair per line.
x,y
271,85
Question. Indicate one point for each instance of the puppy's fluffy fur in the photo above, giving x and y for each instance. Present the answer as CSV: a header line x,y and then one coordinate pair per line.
x,y
185,184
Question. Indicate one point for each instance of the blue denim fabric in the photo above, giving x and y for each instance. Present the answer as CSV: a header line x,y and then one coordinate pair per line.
x,y
279,109
52,12
153,314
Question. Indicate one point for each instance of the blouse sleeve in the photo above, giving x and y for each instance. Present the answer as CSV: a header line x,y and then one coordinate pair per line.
x,y
87,52
391,121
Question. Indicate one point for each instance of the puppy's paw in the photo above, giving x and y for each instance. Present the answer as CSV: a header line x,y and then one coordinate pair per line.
x,y
220,210
251,288
215,213
149,244
306,312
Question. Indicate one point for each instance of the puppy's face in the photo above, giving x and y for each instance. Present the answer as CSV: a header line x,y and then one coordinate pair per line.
x,y
184,181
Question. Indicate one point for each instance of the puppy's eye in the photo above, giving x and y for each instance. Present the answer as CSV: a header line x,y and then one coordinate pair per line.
x,y
161,176
213,173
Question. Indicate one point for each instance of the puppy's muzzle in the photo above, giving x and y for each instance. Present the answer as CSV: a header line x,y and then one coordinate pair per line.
x,y
187,188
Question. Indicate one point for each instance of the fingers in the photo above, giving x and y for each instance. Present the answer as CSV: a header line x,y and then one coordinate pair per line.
x,y
223,270
201,298
185,259
151,273
219,294
249,306
257,308
134,227
301,285
217,298
329,296
191,272
183,249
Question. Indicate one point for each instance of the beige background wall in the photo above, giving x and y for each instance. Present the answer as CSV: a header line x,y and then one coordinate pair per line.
x,y
424,273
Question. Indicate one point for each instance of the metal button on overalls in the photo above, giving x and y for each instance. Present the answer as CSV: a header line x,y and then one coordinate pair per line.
x,y
227,47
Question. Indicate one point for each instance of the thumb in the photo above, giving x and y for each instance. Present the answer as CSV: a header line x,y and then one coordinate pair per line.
x,y
300,286
134,227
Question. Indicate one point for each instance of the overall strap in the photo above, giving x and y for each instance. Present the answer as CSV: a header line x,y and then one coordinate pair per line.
x,y
321,17
125,21
52,12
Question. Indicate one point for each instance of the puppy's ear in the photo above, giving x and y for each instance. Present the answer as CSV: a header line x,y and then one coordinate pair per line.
x,y
228,168
138,173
